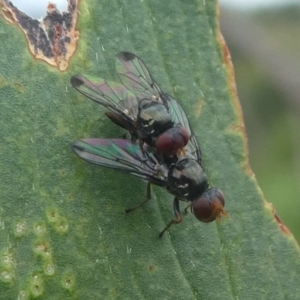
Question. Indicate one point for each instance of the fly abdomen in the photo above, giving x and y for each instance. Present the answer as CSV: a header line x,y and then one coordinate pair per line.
x,y
172,140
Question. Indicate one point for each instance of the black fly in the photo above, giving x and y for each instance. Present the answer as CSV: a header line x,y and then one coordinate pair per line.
x,y
138,104
163,149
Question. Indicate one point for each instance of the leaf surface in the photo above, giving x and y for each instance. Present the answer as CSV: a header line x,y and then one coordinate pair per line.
x,y
63,233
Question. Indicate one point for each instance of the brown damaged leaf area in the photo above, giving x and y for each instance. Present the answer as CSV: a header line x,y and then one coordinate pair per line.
x,y
239,126
232,86
281,225
53,38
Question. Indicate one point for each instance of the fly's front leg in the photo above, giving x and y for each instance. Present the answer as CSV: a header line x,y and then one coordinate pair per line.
x,y
177,215
148,197
187,207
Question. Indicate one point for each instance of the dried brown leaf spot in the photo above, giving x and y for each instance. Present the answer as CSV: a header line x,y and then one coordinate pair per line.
x,y
53,38
280,223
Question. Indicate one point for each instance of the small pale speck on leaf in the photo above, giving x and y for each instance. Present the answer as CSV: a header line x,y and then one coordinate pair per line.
x,y
39,228
49,269
20,228
68,282
52,215
42,249
151,268
6,276
7,259
23,295
19,87
62,173
36,285
62,226
70,197
198,108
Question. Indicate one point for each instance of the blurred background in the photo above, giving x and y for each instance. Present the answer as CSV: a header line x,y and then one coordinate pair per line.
x,y
264,40
263,37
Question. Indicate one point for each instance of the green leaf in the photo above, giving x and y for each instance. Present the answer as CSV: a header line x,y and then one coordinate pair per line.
x,y
63,233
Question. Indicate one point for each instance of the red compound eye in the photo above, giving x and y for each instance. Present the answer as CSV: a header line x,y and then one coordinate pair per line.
x,y
172,140
209,206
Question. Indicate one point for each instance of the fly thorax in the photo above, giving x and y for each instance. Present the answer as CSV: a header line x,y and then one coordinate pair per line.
x,y
186,179
153,118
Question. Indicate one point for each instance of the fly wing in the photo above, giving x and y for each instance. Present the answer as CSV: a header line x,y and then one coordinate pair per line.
x,y
122,155
192,148
137,78
114,96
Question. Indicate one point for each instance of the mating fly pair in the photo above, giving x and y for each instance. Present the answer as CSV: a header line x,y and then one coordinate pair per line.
x,y
163,149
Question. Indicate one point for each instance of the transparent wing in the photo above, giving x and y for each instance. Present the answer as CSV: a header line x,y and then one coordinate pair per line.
x,y
137,78
121,155
179,117
114,96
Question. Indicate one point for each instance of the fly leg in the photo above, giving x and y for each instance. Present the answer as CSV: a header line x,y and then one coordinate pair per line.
x,y
187,207
148,197
177,215
120,120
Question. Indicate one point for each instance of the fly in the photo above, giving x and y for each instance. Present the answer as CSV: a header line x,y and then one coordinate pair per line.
x,y
168,153
184,179
138,104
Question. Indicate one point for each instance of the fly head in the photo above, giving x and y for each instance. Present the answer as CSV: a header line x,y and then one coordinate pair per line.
x,y
209,206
